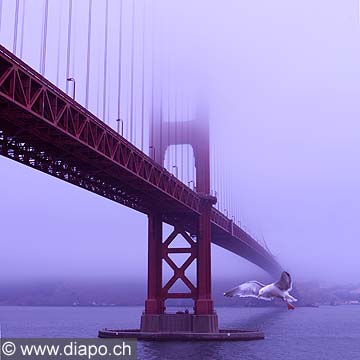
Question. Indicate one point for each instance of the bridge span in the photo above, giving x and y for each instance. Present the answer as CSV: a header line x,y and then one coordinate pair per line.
x,y
42,127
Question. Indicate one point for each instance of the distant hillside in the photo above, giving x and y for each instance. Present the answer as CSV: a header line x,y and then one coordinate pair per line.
x,y
110,293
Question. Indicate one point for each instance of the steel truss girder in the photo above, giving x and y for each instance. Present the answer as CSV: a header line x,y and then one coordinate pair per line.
x,y
35,96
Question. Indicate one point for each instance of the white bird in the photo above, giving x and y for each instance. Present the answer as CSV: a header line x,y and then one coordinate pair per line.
x,y
279,289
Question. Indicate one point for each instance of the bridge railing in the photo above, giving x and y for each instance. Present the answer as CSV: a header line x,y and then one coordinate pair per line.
x,y
229,226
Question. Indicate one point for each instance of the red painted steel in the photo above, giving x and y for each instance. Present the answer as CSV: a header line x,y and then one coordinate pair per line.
x,y
195,133
36,107
155,303
42,127
203,303
179,272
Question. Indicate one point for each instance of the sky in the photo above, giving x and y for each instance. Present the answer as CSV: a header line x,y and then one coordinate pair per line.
x,y
282,83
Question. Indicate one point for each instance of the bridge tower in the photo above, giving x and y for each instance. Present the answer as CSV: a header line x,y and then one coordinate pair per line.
x,y
155,318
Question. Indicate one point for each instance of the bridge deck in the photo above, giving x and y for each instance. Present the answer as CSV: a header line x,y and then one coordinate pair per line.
x,y
42,127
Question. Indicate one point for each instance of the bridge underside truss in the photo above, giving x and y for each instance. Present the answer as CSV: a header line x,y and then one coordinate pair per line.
x,y
42,127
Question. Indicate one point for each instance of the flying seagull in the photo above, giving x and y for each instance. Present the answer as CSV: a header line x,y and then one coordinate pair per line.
x,y
279,289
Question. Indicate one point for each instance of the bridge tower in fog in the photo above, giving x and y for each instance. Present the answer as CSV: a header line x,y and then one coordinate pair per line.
x,y
196,134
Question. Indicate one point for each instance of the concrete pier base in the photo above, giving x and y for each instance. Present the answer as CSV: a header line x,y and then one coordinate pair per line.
x,y
179,323
222,335
182,327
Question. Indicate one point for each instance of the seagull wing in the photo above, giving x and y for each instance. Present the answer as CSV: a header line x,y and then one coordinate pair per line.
x,y
285,282
248,289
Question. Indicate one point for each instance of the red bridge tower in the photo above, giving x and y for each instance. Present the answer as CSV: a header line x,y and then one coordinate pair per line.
x,y
204,319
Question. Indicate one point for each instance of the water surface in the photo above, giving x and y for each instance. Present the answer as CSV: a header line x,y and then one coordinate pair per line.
x,y
328,332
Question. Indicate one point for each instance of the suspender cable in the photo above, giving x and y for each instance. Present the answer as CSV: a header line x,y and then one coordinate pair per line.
x,y
193,172
16,22
228,191
98,89
182,135
171,64
22,28
73,45
132,72
226,184
88,57
211,150
228,206
213,161
217,173
120,52
105,58
175,128
169,160
223,183
143,81
152,149
230,199
44,38
68,46
108,107
222,188
187,148
170,153
159,122
0,12
59,44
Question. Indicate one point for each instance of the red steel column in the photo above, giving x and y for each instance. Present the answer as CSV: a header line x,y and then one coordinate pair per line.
x,y
154,303
197,135
204,304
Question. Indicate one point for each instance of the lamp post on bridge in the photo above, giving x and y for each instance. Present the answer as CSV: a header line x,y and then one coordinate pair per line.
x,y
122,126
176,170
152,151
71,79
193,182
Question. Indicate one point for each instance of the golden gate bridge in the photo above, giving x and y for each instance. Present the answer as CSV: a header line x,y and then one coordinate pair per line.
x,y
91,101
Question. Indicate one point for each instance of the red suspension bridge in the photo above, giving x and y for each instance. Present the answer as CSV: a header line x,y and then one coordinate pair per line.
x,y
41,126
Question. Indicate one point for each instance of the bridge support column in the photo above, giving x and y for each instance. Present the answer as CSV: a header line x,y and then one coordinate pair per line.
x,y
154,303
205,319
203,303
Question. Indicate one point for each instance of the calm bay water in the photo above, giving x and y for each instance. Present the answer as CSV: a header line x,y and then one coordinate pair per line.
x,y
306,333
